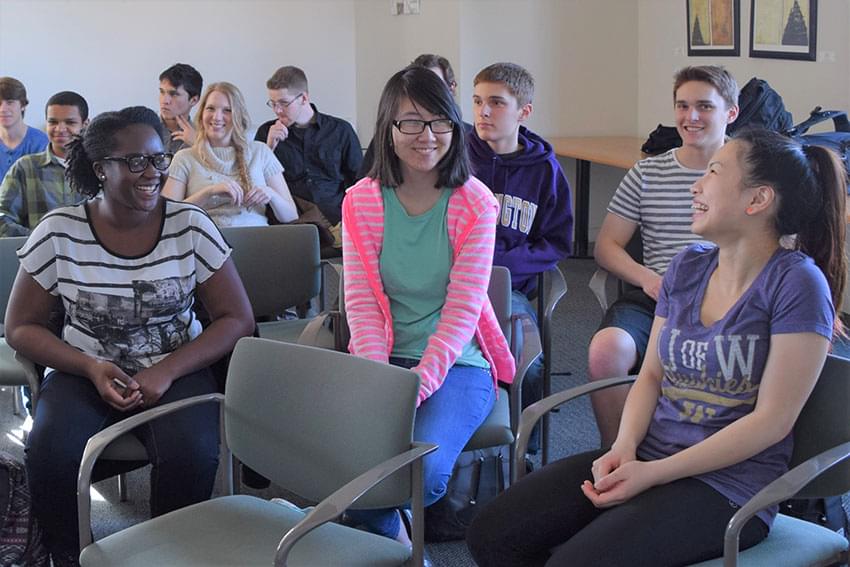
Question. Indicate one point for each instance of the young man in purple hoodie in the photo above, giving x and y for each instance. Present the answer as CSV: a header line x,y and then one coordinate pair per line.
x,y
534,229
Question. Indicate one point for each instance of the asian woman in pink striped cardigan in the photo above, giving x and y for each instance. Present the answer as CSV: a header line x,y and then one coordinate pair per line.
x,y
418,237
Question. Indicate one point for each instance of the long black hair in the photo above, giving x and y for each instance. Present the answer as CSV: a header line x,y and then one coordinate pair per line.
x,y
423,87
811,185
98,142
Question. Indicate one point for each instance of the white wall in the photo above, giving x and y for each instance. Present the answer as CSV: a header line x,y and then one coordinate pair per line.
x,y
386,44
112,51
802,84
602,67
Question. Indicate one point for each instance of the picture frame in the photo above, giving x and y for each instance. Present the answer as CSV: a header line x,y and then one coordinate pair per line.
x,y
714,28
784,29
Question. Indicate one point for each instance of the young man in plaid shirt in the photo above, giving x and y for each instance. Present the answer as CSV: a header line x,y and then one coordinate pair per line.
x,y
36,183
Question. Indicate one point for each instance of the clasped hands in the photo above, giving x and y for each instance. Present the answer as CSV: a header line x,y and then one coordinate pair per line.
x,y
230,191
124,393
617,477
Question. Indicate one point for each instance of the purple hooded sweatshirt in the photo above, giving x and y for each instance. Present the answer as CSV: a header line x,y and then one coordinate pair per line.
x,y
535,226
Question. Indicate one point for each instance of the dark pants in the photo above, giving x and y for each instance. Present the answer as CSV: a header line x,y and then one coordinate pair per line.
x,y
546,519
182,448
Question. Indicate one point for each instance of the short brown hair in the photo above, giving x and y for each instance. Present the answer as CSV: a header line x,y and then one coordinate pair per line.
x,y
715,75
13,89
430,60
515,77
290,78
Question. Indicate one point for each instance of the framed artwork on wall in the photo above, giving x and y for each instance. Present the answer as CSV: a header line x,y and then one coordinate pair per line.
x,y
784,29
714,27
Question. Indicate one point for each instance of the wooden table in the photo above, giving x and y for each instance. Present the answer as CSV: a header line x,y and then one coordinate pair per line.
x,y
616,151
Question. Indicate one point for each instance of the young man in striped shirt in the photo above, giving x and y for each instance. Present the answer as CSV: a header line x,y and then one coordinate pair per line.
x,y
654,197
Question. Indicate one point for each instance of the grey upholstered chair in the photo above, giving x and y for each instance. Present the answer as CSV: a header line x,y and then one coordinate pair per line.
x,y
607,287
280,269
12,373
324,425
552,287
819,468
501,425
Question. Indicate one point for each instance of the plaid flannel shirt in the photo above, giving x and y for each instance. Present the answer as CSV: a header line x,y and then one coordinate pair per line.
x,y
34,185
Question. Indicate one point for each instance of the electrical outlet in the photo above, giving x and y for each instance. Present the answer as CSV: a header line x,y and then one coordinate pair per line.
x,y
404,7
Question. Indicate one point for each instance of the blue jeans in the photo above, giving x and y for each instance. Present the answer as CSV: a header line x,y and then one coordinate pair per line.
x,y
182,448
448,418
532,386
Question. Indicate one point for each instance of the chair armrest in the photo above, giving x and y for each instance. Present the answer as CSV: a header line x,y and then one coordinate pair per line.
x,y
100,440
598,284
781,489
326,330
33,377
526,353
556,291
532,414
337,268
334,505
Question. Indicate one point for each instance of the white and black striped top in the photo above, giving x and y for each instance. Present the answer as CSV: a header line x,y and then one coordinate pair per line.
x,y
132,311
655,194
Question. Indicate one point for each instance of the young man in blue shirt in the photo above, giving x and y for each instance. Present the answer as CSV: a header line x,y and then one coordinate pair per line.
x,y
16,138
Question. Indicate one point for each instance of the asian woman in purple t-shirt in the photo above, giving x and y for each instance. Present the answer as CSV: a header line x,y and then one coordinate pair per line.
x,y
741,332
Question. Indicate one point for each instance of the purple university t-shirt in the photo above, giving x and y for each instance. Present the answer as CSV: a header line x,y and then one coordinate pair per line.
x,y
712,374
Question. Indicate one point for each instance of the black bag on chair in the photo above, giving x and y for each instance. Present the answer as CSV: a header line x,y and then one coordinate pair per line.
x,y
826,512
760,105
838,141
478,477
661,139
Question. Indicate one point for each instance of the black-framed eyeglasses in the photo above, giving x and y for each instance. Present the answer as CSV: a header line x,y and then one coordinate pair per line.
x,y
439,126
137,163
275,104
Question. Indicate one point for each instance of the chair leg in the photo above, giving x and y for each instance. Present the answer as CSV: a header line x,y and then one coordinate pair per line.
x,y
122,487
17,400
237,475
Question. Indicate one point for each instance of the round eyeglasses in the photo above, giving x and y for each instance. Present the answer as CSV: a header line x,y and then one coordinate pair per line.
x,y
137,163
439,126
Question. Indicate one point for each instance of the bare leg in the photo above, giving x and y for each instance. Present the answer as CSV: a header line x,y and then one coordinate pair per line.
x,y
612,353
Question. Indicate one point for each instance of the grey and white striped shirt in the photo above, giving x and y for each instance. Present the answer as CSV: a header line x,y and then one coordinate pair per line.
x,y
655,194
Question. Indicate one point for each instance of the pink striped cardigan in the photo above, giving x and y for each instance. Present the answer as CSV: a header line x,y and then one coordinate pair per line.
x,y
471,219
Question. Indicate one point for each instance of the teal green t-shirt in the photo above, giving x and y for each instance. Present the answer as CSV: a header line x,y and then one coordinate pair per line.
x,y
416,259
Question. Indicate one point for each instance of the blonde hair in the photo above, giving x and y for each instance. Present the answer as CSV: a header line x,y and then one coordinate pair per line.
x,y
238,139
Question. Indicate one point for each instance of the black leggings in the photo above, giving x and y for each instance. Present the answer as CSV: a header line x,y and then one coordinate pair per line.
x,y
545,519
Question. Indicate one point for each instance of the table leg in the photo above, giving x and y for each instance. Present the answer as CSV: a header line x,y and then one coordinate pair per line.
x,y
582,211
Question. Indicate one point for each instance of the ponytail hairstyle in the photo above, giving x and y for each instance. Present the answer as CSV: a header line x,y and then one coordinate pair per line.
x,y
238,138
98,141
811,185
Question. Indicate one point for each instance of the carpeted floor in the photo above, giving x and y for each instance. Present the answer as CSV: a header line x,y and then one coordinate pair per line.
x,y
573,428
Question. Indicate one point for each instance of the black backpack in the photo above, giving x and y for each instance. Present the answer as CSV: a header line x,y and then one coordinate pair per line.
x,y
20,537
478,477
838,141
760,105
